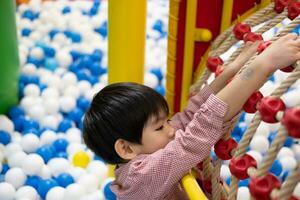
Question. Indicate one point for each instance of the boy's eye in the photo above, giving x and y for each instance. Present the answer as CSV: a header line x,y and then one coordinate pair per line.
x,y
160,128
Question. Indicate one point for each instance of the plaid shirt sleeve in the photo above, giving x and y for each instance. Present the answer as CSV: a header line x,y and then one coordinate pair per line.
x,y
156,174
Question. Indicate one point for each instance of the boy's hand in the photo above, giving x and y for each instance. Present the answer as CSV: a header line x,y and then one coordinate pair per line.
x,y
282,53
248,51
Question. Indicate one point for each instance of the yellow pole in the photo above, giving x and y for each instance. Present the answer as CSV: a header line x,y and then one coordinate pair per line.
x,y
126,40
189,43
226,14
264,3
192,188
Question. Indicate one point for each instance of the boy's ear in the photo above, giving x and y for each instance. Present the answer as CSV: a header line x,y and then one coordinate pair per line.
x,y
125,149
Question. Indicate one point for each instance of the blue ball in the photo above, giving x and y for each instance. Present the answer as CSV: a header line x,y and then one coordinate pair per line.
x,y
64,179
83,103
33,181
276,168
26,32
19,123
75,54
83,74
32,130
85,62
109,195
44,186
158,26
15,112
97,55
96,69
5,137
74,68
102,30
61,155
244,183
46,152
51,64
64,125
49,51
161,90
42,86
68,33
289,142
30,124
93,80
66,10
76,37
157,72
34,61
60,144
93,10
76,114
29,14
33,79
53,32
5,168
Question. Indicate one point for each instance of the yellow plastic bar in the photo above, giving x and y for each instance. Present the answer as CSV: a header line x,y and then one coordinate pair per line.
x,y
264,3
192,188
190,23
126,40
226,14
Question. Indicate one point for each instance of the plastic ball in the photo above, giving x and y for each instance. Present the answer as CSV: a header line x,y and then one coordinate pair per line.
x,y
84,86
77,172
16,111
74,191
74,135
67,103
56,193
30,143
89,182
50,121
81,159
7,191
276,168
17,159
64,179
33,181
243,193
60,144
288,163
256,155
26,192
51,64
32,90
51,105
107,191
45,185
50,92
5,137
33,164
64,59
263,129
11,149
6,124
45,172
76,114
37,53
58,166
16,177
46,152
225,172
150,80
260,144
83,103
285,152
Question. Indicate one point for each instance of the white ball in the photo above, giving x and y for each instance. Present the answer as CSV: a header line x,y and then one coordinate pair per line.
x,y
27,102
75,147
296,150
30,143
89,182
296,192
17,159
72,91
6,124
263,130
45,173
50,92
51,105
248,118
7,191
32,90
56,193
47,137
225,172
16,177
76,172
83,86
104,79
33,164
69,78
58,166
27,192
55,81
243,193
11,149
64,58
1,156
256,155
50,121
37,53
36,112
98,169
288,163
67,103
73,135
74,191
259,143
150,80
285,152
29,69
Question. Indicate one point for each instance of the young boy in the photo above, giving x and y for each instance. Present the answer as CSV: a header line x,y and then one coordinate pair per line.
x,y
127,124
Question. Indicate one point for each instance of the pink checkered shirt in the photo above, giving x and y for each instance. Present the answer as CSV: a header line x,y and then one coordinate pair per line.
x,y
157,175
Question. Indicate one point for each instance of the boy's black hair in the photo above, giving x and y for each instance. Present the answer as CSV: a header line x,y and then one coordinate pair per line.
x,y
120,111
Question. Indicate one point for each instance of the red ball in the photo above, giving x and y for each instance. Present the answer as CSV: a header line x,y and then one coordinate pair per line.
x,y
263,46
239,166
280,5
252,37
261,187
293,10
291,121
269,107
250,105
287,69
240,30
213,63
223,148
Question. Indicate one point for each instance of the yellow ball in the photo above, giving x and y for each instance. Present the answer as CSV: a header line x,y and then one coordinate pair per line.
x,y
81,159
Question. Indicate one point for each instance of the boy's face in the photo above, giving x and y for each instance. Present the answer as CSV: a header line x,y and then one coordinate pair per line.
x,y
157,134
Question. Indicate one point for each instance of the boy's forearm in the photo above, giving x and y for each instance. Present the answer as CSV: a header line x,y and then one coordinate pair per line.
x,y
221,81
240,88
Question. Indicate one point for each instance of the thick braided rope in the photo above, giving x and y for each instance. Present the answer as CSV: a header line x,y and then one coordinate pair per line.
x,y
255,19
216,187
257,119
261,30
